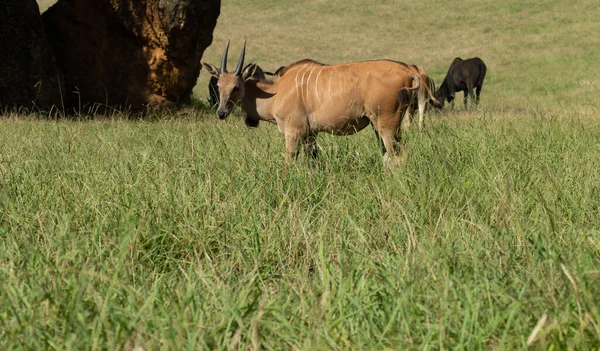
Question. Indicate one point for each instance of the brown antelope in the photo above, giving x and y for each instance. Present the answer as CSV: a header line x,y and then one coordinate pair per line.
x,y
309,97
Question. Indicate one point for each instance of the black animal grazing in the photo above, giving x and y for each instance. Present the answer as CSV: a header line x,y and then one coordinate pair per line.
x,y
213,91
463,75
213,94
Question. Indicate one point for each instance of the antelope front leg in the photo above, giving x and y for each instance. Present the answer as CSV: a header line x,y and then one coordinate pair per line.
x,y
379,140
292,147
407,119
396,154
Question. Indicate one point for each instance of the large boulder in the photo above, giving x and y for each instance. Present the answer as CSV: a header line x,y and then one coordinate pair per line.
x,y
130,54
28,74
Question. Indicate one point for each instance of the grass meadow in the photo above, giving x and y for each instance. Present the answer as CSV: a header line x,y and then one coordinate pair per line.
x,y
185,232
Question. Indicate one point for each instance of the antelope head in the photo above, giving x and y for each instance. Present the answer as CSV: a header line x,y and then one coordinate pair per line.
x,y
230,84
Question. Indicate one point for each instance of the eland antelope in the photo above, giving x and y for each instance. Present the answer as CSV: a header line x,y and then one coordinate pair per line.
x,y
309,97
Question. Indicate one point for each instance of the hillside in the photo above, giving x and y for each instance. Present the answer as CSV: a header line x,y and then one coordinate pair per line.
x,y
538,53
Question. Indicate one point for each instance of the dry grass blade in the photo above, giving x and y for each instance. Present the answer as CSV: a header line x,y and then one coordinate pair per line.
x,y
536,330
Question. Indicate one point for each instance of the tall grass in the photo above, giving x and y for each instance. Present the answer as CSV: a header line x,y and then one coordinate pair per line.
x,y
182,232
192,234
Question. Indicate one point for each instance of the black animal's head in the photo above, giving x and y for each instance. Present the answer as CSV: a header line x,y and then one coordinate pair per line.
x,y
443,94
213,91
438,103
434,100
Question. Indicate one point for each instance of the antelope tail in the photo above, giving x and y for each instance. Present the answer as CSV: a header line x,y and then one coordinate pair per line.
x,y
416,80
403,95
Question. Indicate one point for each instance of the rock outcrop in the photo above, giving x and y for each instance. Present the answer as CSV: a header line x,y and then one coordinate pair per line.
x,y
28,74
129,54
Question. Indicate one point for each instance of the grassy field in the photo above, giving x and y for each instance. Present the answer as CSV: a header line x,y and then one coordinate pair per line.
x,y
184,232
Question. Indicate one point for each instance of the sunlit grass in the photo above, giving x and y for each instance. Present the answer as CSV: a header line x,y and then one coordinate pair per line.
x,y
184,232
190,232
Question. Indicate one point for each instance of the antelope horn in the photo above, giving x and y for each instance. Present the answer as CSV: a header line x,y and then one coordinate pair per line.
x,y
224,61
238,69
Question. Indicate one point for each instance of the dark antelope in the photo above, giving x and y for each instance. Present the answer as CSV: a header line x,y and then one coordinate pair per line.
x,y
310,97
463,75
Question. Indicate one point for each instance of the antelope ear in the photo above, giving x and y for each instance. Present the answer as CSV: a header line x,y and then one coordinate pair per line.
x,y
252,72
214,71
279,71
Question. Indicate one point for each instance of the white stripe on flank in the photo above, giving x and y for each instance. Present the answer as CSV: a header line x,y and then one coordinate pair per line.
x,y
317,85
297,90
302,86
308,82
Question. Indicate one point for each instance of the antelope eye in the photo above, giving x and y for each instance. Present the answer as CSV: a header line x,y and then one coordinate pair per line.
x,y
236,88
